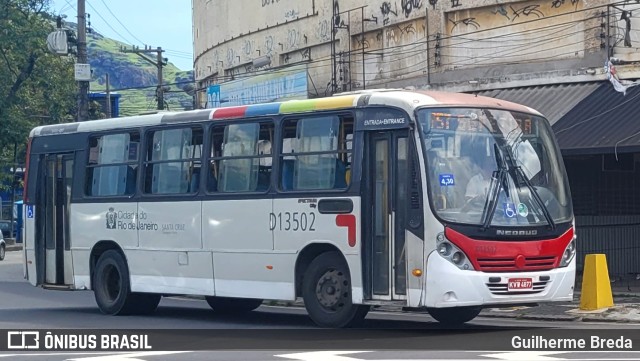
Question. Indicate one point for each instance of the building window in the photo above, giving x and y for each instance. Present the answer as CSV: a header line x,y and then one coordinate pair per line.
x,y
240,158
113,164
173,161
316,153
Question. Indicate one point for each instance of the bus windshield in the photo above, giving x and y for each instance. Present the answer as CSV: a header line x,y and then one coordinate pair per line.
x,y
493,168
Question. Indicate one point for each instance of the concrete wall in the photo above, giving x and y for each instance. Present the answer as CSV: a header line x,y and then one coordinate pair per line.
x,y
422,43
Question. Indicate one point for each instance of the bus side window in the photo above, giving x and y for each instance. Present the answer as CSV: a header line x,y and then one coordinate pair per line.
x,y
173,155
112,165
241,158
316,153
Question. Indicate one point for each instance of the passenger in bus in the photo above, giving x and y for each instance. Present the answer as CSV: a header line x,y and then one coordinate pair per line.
x,y
478,185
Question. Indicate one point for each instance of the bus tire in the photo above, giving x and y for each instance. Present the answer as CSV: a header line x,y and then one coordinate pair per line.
x,y
3,251
326,290
112,289
454,316
229,305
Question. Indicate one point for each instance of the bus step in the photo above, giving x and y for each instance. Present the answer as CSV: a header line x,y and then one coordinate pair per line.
x,y
51,286
398,303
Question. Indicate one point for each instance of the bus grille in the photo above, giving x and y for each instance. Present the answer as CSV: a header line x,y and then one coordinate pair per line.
x,y
544,263
501,288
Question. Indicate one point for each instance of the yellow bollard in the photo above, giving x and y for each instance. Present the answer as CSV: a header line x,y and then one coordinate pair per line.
x,y
596,287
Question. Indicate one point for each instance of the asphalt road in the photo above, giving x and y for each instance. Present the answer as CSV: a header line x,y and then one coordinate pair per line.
x,y
25,307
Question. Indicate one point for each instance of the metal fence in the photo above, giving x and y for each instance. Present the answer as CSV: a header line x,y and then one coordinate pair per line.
x,y
618,237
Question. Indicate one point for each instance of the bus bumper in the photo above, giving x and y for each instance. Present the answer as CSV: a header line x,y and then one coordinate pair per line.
x,y
449,286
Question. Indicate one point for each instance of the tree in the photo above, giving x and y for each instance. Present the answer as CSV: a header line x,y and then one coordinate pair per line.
x,y
36,87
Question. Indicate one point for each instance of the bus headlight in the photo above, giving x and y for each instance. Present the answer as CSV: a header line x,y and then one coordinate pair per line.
x,y
457,258
569,253
444,249
452,253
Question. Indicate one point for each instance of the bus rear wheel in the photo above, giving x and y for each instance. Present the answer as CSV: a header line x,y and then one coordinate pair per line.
x,y
233,305
454,316
112,289
2,251
326,290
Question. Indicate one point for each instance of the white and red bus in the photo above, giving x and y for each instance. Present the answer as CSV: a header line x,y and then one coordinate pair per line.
x,y
361,199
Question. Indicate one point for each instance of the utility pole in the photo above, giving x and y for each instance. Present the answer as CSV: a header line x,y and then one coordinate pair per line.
x,y
83,85
159,63
108,91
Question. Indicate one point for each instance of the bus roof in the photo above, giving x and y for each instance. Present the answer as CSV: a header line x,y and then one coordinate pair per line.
x,y
404,99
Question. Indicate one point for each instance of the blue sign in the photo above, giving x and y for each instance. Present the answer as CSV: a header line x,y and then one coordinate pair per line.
x,y
447,180
213,96
29,211
509,209
284,84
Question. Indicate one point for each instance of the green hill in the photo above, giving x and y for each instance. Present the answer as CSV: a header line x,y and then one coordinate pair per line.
x,y
127,71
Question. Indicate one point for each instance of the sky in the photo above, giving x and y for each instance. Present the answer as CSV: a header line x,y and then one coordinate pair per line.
x,y
164,23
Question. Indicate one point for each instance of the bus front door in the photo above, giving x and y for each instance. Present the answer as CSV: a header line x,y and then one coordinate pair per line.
x,y
387,176
54,201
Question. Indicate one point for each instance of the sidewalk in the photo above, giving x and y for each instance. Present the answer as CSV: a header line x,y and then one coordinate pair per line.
x,y
625,310
626,299
12,246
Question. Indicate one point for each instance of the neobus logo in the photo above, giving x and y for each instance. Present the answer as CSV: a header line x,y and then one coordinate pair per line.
x,y
504,232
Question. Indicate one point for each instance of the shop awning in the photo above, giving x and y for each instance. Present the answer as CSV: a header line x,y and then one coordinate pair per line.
x,y
588,118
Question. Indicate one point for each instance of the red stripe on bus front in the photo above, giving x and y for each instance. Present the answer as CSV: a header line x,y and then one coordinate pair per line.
x,y
503,256
349,221
230,112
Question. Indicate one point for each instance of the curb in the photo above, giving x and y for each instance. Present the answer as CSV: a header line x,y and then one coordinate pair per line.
x,y
13,247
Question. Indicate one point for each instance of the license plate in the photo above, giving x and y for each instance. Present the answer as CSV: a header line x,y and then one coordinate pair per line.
x,y
519,284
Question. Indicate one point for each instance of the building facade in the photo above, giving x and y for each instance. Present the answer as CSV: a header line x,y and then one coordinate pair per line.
x,y
548,54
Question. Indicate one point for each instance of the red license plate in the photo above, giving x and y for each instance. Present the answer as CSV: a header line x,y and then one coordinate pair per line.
x,y
519,284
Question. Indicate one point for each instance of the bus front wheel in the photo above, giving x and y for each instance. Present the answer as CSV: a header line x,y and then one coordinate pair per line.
x,y
454,315
233,305
326,290
112,289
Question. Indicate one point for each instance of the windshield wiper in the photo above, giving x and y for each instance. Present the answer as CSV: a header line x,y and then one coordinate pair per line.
x,y
499,178
536,196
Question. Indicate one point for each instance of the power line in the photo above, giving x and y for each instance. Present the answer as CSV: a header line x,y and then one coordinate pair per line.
x,y
120,22
109,25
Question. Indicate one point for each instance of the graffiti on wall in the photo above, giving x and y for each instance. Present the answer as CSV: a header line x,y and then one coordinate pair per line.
x,y
269,2
559,3
291,14
323,31
293,38
387,9
526,11
247,47
409,6
268,45
500,9
467,22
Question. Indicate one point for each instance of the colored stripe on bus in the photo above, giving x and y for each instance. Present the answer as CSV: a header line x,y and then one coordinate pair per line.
x,y
230,112
334,102
262,109
290,106
294,106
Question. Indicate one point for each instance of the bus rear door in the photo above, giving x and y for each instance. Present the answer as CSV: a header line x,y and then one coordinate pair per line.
x,y
53,205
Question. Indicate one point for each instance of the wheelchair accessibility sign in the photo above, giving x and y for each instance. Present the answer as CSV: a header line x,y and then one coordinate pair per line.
x,y
29,211
509,210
